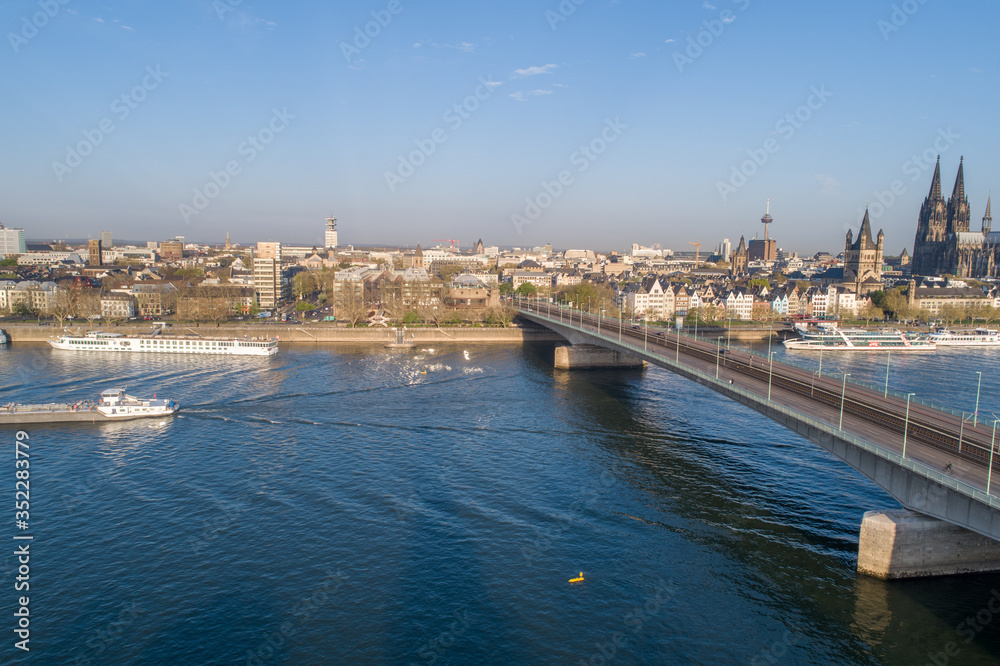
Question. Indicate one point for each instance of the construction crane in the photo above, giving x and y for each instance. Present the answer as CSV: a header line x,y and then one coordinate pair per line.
x,y
697,251
455,244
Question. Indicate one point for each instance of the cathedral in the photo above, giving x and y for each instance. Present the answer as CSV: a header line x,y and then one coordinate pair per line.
x,y
944,244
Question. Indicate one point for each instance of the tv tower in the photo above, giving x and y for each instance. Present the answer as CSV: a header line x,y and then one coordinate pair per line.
x,y
767,219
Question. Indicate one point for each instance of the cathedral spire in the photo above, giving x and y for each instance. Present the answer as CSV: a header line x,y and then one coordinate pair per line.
x,y
958,194
935,192
987,218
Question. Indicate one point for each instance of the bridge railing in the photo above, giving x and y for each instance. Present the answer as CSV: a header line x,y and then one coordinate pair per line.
x,y
916,466
747,349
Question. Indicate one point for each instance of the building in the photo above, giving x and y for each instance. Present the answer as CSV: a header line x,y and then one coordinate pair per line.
x,y
29,294
766,249
106,240
863,260
267,281
330,236
95,257
153,300
739,260
172,250
49,258
269,250
725,249
944,244
11,242
117,306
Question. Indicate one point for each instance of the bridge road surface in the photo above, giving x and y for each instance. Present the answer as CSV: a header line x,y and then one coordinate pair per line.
x,y
750,372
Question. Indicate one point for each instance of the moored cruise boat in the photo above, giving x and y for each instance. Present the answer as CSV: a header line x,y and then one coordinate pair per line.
x,y
100,341
980,337
831,338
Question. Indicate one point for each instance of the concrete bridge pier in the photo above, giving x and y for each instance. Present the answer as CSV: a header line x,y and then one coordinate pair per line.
x,y
905,544
580,357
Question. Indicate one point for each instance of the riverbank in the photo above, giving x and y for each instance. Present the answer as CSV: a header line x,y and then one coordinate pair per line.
x,y
305,334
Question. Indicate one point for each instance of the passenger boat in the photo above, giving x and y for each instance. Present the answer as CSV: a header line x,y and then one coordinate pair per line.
x,y
99,341
113,405
980,337
831,338
4,338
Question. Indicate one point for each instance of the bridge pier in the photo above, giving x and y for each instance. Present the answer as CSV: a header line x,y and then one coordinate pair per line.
x,y
580,357
906,544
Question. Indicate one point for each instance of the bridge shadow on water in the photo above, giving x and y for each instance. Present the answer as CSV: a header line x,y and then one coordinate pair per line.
x,y
780,514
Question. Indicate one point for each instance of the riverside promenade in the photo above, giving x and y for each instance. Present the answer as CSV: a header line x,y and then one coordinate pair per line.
x,y
300,333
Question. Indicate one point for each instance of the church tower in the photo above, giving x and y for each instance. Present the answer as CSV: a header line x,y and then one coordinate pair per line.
x,y
987,218
929,248
739,260
863,260
958,205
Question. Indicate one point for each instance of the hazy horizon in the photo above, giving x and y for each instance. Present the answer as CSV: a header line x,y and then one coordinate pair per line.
x,y
518,123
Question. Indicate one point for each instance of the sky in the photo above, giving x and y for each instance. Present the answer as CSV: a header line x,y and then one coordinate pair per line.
x,y
580,123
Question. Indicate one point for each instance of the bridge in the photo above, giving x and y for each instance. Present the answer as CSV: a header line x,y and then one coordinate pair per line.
x,y
934,461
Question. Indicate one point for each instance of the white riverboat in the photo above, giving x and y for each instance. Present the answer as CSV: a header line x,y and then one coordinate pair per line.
x,y
980,337
831,338
113,405
99,341
4,338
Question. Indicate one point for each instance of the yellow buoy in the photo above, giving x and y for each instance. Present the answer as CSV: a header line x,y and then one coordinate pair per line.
x,y
577,580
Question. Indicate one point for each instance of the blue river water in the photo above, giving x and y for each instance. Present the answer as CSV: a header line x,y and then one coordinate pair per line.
x,y
350,505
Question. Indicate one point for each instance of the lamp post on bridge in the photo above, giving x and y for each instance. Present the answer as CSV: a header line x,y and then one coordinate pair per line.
x,y
770,371
887,357
975,414
906,421
718,353
600,316
989,475
843,393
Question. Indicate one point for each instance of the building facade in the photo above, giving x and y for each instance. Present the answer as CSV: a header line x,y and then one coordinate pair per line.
x,y
11,242
944,243
863,260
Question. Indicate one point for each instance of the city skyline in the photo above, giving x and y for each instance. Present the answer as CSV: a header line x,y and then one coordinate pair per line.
x,y
615,123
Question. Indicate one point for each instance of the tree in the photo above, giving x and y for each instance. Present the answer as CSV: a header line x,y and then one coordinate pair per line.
x,y
411,317
448,271
953,312
351,306
526,289
506,288
305,284
501,315
867,311
759,282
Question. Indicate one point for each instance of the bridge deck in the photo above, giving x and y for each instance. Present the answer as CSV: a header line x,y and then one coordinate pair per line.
x,y
856,414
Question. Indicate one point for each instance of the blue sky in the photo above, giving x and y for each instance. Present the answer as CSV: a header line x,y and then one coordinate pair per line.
x,y
683,108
